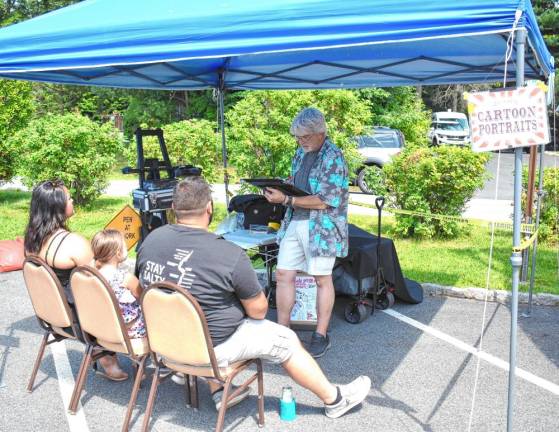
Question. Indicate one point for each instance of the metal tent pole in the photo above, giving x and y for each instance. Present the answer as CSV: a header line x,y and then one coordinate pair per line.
x,y
516,257
535,247
220,91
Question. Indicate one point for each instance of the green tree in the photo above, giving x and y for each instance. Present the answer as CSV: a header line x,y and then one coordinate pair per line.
x,y
13,11
16,108
258,127
70,147
399,108
189,142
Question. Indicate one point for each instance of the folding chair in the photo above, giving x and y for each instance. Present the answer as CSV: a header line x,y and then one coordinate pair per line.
x,y
103,330
51,307
180,340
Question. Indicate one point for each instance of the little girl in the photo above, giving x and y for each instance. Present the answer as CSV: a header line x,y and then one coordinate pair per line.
x,y
109,253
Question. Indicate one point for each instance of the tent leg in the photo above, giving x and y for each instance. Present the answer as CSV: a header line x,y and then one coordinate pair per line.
x,y
516,257
220,91
528,311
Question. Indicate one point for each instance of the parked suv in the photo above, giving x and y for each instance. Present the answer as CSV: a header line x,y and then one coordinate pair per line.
x,y
377,148
449,128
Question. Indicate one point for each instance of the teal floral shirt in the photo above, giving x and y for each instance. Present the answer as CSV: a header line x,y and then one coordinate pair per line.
x,y
329,180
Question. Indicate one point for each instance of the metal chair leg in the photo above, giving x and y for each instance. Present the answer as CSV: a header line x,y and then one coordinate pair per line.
x,y
187,391
223,408
260,393
81,371
194,391
134,395
38,360
81,381
151,399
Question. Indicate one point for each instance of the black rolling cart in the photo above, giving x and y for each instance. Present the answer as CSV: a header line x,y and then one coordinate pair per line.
x,y
373,258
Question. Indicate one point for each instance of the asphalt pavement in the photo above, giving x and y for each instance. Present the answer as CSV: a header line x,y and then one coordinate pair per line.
x,y
420,358
506,174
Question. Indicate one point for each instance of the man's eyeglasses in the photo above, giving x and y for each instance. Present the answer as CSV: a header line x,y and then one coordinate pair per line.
x,y
303,138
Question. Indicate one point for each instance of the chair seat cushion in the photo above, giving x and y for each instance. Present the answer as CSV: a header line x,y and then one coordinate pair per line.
x,y
63,332
204,370
140,346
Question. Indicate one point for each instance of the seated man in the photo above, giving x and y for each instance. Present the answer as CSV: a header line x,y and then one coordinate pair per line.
x,y
220,276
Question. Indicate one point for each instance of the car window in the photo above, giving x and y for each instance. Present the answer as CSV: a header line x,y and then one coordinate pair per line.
x,y
453,126
380,140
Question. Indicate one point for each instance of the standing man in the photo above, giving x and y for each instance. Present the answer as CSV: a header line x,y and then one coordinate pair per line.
x,y
314,230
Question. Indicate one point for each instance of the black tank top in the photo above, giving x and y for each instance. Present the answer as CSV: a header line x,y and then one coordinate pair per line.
x,y
62,274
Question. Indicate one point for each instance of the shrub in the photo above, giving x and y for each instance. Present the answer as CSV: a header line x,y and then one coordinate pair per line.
x,y
70,147
399,108
258,133
549,215
433,180
193,142
16,107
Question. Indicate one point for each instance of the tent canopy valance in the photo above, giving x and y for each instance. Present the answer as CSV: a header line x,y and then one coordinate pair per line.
x,y
273,44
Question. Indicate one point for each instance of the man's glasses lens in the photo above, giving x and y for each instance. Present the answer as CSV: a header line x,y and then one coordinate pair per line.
x,y
303,137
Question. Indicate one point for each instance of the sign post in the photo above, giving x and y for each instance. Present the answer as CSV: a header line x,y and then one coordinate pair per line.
x,y
129,223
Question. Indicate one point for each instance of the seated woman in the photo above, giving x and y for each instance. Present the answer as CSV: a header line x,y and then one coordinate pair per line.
x,y
109,252
48,237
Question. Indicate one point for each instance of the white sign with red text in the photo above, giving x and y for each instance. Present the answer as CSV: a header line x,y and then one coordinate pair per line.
x,y
508,118
304,309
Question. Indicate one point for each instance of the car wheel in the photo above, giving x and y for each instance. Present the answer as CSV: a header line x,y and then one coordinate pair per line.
x,y
371,180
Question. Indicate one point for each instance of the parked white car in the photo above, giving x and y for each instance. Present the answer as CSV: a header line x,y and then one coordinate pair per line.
x,y
449,128
376,148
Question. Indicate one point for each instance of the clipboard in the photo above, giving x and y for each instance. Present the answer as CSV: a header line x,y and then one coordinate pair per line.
x,y
277,183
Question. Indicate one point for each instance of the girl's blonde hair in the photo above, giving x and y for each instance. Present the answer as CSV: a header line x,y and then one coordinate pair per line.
x,y
106,245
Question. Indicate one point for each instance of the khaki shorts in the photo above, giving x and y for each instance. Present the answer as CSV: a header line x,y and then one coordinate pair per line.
x,y
261,339
294,252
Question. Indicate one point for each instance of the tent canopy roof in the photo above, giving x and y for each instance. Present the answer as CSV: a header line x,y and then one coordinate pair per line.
x,y
174,44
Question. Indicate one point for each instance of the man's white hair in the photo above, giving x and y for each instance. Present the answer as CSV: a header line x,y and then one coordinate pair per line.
x,y
308,121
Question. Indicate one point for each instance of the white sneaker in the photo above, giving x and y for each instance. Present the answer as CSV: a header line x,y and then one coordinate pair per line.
x,y
352,394
218,395
178,378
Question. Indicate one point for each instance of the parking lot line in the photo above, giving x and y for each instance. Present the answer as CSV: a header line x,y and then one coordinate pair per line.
x,y
495,361
76,422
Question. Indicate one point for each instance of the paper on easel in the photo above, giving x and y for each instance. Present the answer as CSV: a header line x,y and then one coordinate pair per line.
x,y
304,310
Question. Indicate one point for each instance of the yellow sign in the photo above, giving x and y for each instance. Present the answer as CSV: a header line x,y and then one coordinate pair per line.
x,y
128,222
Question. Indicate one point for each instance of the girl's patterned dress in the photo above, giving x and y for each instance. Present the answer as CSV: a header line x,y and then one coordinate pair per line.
x,y
129,306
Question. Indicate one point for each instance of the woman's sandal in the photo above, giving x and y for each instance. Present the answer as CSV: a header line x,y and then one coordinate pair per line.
x,y
111,371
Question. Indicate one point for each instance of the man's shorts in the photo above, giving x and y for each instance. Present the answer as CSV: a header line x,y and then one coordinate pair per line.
x,y
261,339
294,252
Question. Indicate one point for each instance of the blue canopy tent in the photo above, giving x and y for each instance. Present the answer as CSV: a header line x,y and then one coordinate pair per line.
x,y
284,44
274,44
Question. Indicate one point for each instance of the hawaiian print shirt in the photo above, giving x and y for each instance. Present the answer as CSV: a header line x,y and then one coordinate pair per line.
x,y
329,180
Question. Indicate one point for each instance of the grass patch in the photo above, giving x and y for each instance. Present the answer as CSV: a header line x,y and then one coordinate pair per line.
x,y
14,211
116,171
463,262
459,262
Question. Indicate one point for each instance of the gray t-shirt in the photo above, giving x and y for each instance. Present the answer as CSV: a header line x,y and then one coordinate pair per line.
x,y
301,181
216,272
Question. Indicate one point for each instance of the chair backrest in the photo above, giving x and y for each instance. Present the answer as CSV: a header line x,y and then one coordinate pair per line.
x,y
46,293
98,310
176,326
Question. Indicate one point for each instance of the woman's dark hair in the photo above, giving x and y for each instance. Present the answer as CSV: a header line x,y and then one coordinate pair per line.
x,y
47,214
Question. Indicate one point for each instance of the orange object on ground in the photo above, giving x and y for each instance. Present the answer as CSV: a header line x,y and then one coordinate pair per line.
x,y
11,255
